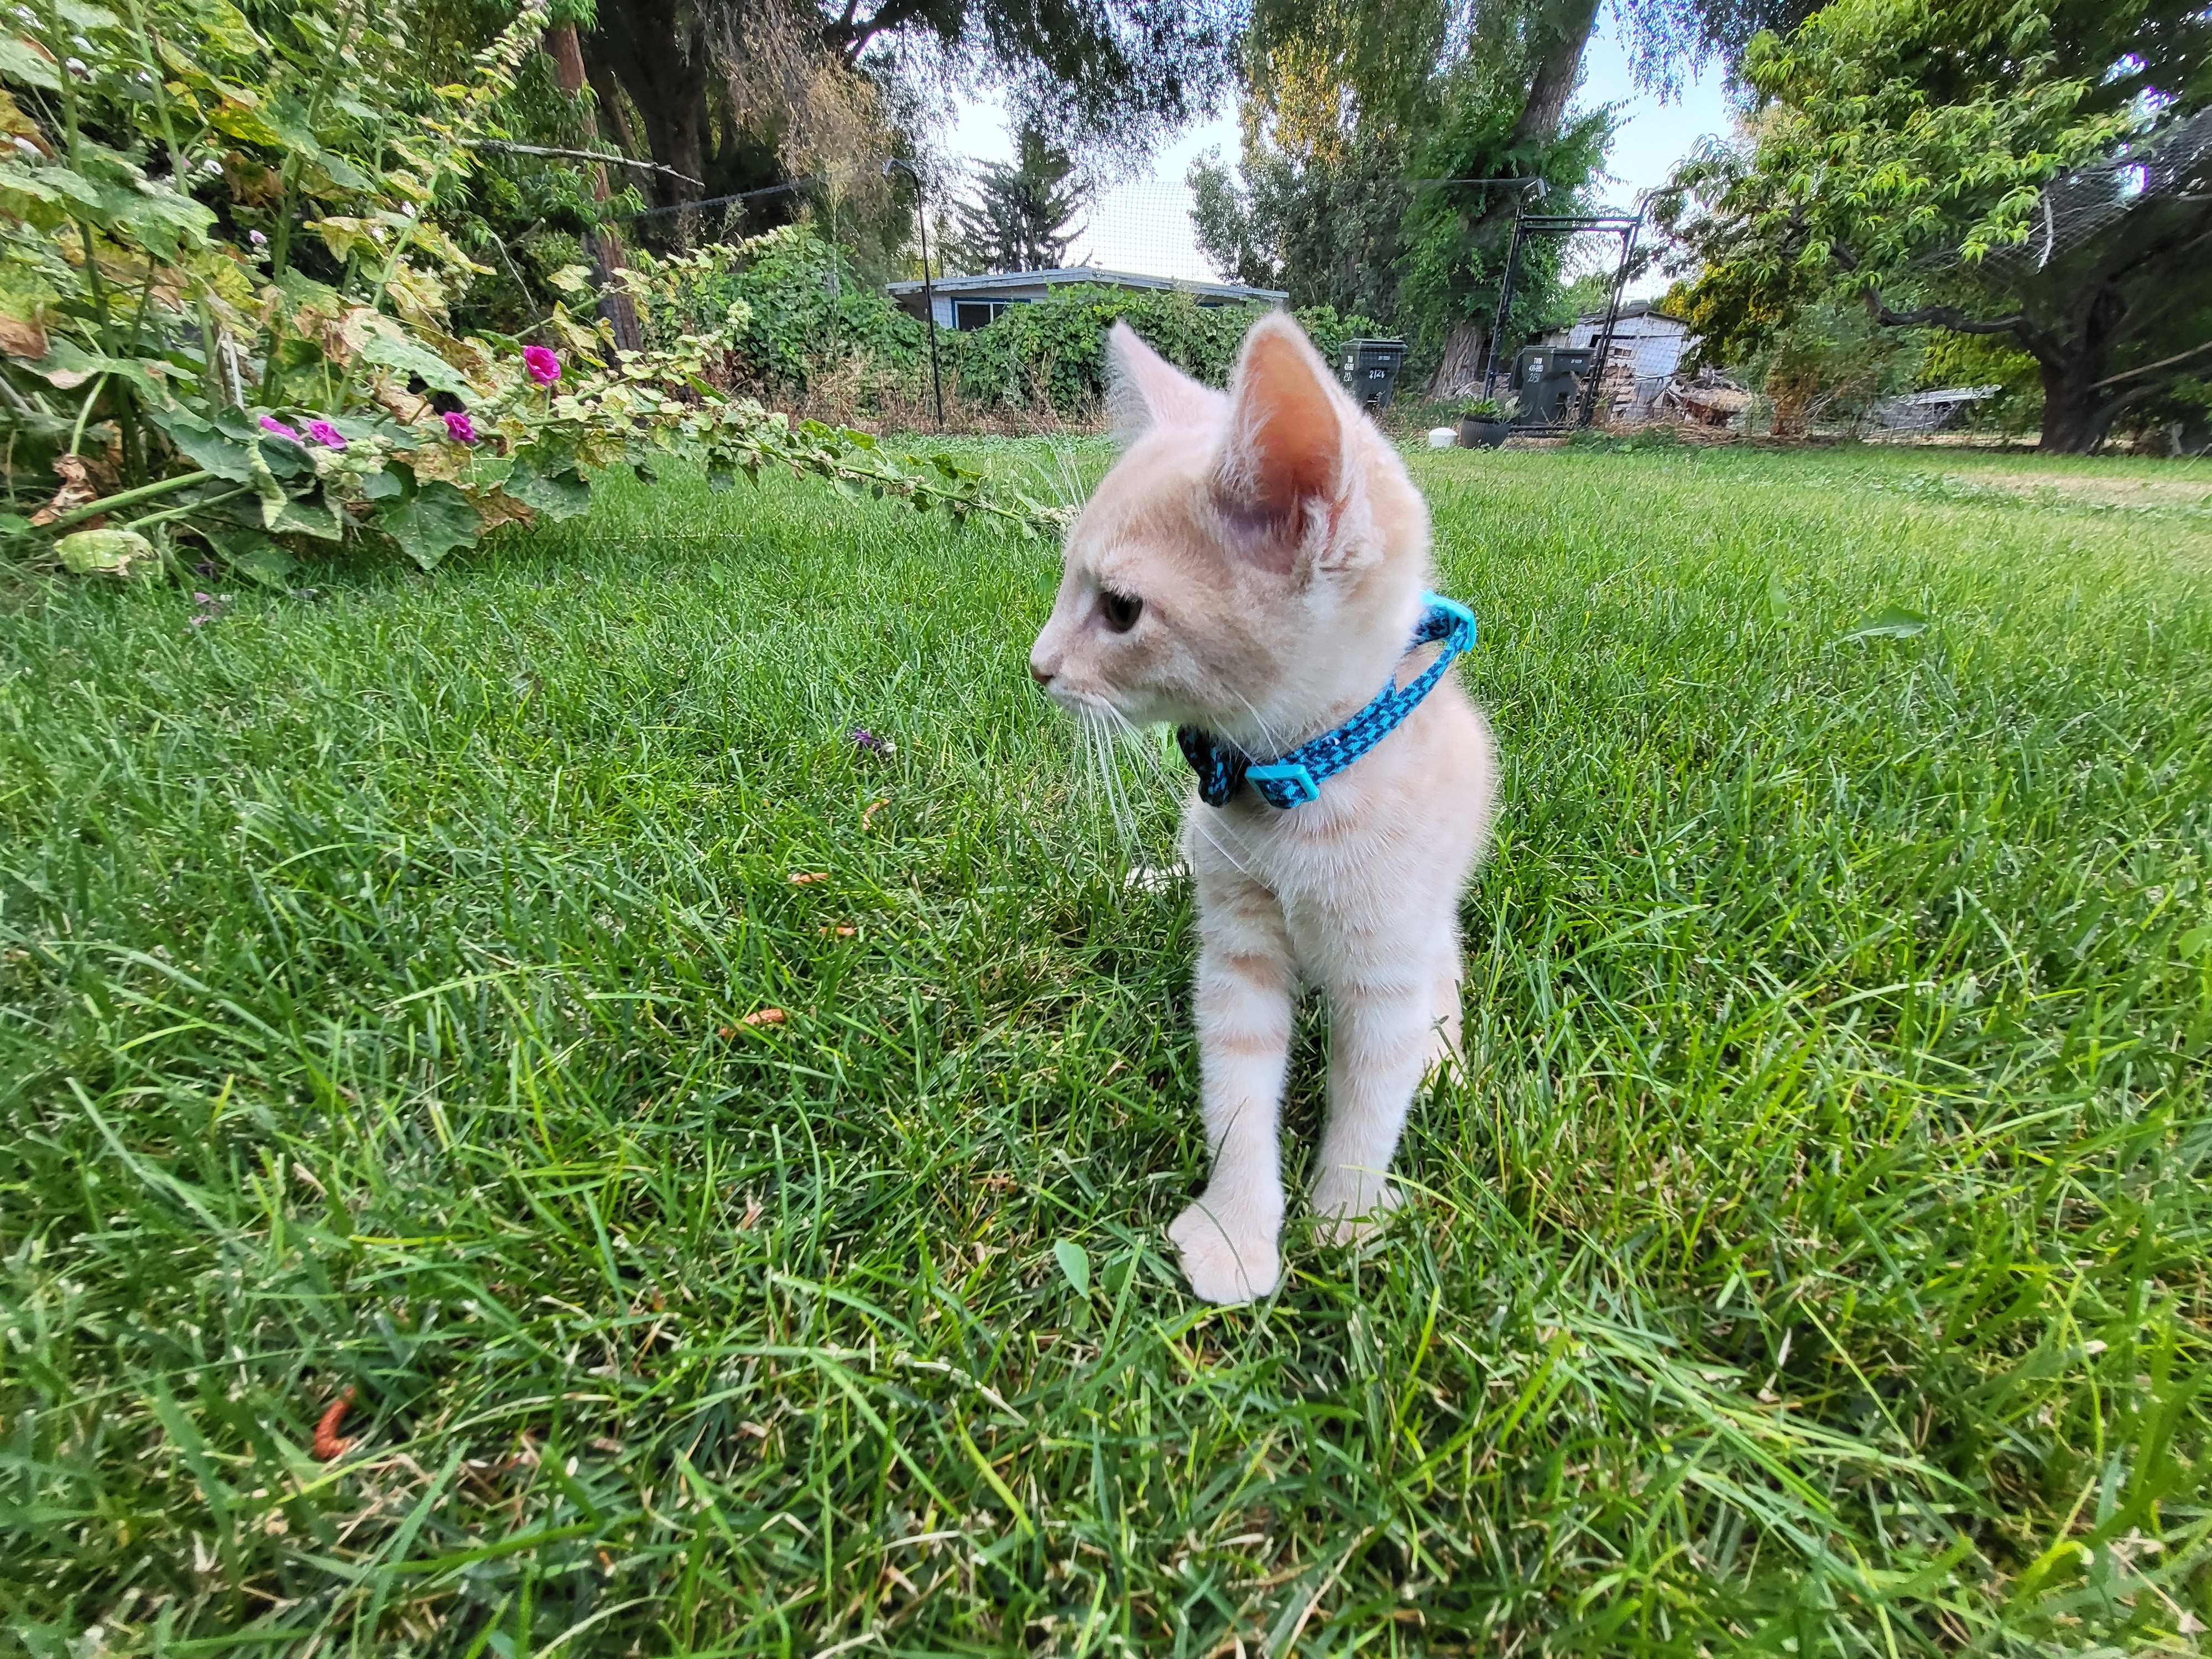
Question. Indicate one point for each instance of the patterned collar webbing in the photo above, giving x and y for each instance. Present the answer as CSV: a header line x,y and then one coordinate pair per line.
x,y
1296,777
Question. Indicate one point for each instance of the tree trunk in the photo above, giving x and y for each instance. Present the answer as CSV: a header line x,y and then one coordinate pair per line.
x,y
1461,364
659,58
2077,406
1558,41
604,243
2077,416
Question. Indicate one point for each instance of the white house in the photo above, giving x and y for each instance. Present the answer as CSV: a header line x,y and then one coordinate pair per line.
x,y
969,303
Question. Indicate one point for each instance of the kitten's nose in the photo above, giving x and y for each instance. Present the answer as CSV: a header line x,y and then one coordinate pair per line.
x,y
1039,675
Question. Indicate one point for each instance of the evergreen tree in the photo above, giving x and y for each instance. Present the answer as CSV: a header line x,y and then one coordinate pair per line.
x,y
1020,218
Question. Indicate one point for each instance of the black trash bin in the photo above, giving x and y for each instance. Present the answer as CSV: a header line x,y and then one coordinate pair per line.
x,y
1550,381
1370,370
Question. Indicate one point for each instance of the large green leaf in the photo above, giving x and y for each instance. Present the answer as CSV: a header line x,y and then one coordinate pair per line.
x,y
436,521
563,496
68,366
408,358
1892,622
19,61
213,451
253,556
310,517
163,220
107,553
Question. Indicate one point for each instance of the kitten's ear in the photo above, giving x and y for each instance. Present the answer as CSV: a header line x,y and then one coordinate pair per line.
x,y
1145,390
1286,441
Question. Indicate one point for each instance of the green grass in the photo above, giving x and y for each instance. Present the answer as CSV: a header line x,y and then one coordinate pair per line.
x,y
1815,1260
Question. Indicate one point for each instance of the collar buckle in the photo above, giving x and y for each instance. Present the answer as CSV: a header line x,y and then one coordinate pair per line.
x,y
1296,778
1286,784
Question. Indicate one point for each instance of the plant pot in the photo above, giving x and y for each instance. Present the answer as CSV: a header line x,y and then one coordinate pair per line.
x,y
1481,434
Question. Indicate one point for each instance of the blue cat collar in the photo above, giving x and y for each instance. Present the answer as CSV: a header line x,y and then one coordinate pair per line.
x,y
1286,783
1296,778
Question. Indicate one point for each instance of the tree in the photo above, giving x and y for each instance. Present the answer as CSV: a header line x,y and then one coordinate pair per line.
x,y
1019,220
1364,118
1314,204
1353,98
707,87
1982,169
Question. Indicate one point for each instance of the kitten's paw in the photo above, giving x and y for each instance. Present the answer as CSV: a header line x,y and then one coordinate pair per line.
x,y
1226,1262
1351,1206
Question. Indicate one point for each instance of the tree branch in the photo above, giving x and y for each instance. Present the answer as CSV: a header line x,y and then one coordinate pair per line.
x,y
850,34
1949,317
609,157
2150,368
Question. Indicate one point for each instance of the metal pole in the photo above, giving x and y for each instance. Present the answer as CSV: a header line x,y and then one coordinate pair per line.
x,y
929,300
1504,305
928,293
1589,411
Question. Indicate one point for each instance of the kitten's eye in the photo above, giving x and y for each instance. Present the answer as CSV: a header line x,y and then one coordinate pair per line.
x,y
1120,610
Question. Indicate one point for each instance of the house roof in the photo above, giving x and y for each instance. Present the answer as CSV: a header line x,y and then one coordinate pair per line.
x,y
1634,308
1000,282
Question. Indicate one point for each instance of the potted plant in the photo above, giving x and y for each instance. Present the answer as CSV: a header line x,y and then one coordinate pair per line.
x,y
1484,424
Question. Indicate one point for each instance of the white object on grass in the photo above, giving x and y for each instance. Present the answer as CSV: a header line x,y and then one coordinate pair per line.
x,y
1442,437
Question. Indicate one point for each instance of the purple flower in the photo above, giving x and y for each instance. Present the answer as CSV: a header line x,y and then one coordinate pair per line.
x,y
257,238
864,739
270,424
327,434
544,367
459,427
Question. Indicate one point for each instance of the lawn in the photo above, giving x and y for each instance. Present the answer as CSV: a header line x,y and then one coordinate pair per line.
x,y
1815,1259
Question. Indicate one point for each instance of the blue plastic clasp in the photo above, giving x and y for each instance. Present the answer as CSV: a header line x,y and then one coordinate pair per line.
x,y
1291,778
1438,602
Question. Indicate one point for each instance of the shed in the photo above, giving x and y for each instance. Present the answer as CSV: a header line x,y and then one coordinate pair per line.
x,y
1647,348
970,302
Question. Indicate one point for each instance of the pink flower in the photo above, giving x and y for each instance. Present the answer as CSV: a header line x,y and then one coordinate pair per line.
x,y
270,424
459,427
544,367
327,434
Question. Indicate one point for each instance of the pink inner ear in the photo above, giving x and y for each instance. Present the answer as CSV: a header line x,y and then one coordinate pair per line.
x,y
1286,443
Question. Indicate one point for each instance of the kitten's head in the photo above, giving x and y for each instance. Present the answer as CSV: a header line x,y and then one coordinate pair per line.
x,y
1253,563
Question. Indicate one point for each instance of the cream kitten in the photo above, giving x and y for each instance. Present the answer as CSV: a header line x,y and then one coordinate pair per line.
x,y
1253,566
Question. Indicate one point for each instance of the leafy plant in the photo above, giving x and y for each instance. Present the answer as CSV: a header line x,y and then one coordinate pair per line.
x,y
1053,352
795,305
223,304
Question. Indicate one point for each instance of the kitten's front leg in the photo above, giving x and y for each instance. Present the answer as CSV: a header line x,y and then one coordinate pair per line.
x,y
1384,1034
1229,1239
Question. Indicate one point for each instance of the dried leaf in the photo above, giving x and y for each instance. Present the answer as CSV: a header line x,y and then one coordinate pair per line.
x,y
23,337
328,1445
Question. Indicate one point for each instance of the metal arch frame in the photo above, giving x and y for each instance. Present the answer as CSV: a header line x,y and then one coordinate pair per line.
x,y
1627,227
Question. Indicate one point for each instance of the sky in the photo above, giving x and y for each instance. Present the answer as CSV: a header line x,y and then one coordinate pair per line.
x,y
1143,224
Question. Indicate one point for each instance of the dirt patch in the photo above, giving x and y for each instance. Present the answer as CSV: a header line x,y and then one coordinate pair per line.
x,y
2101,492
